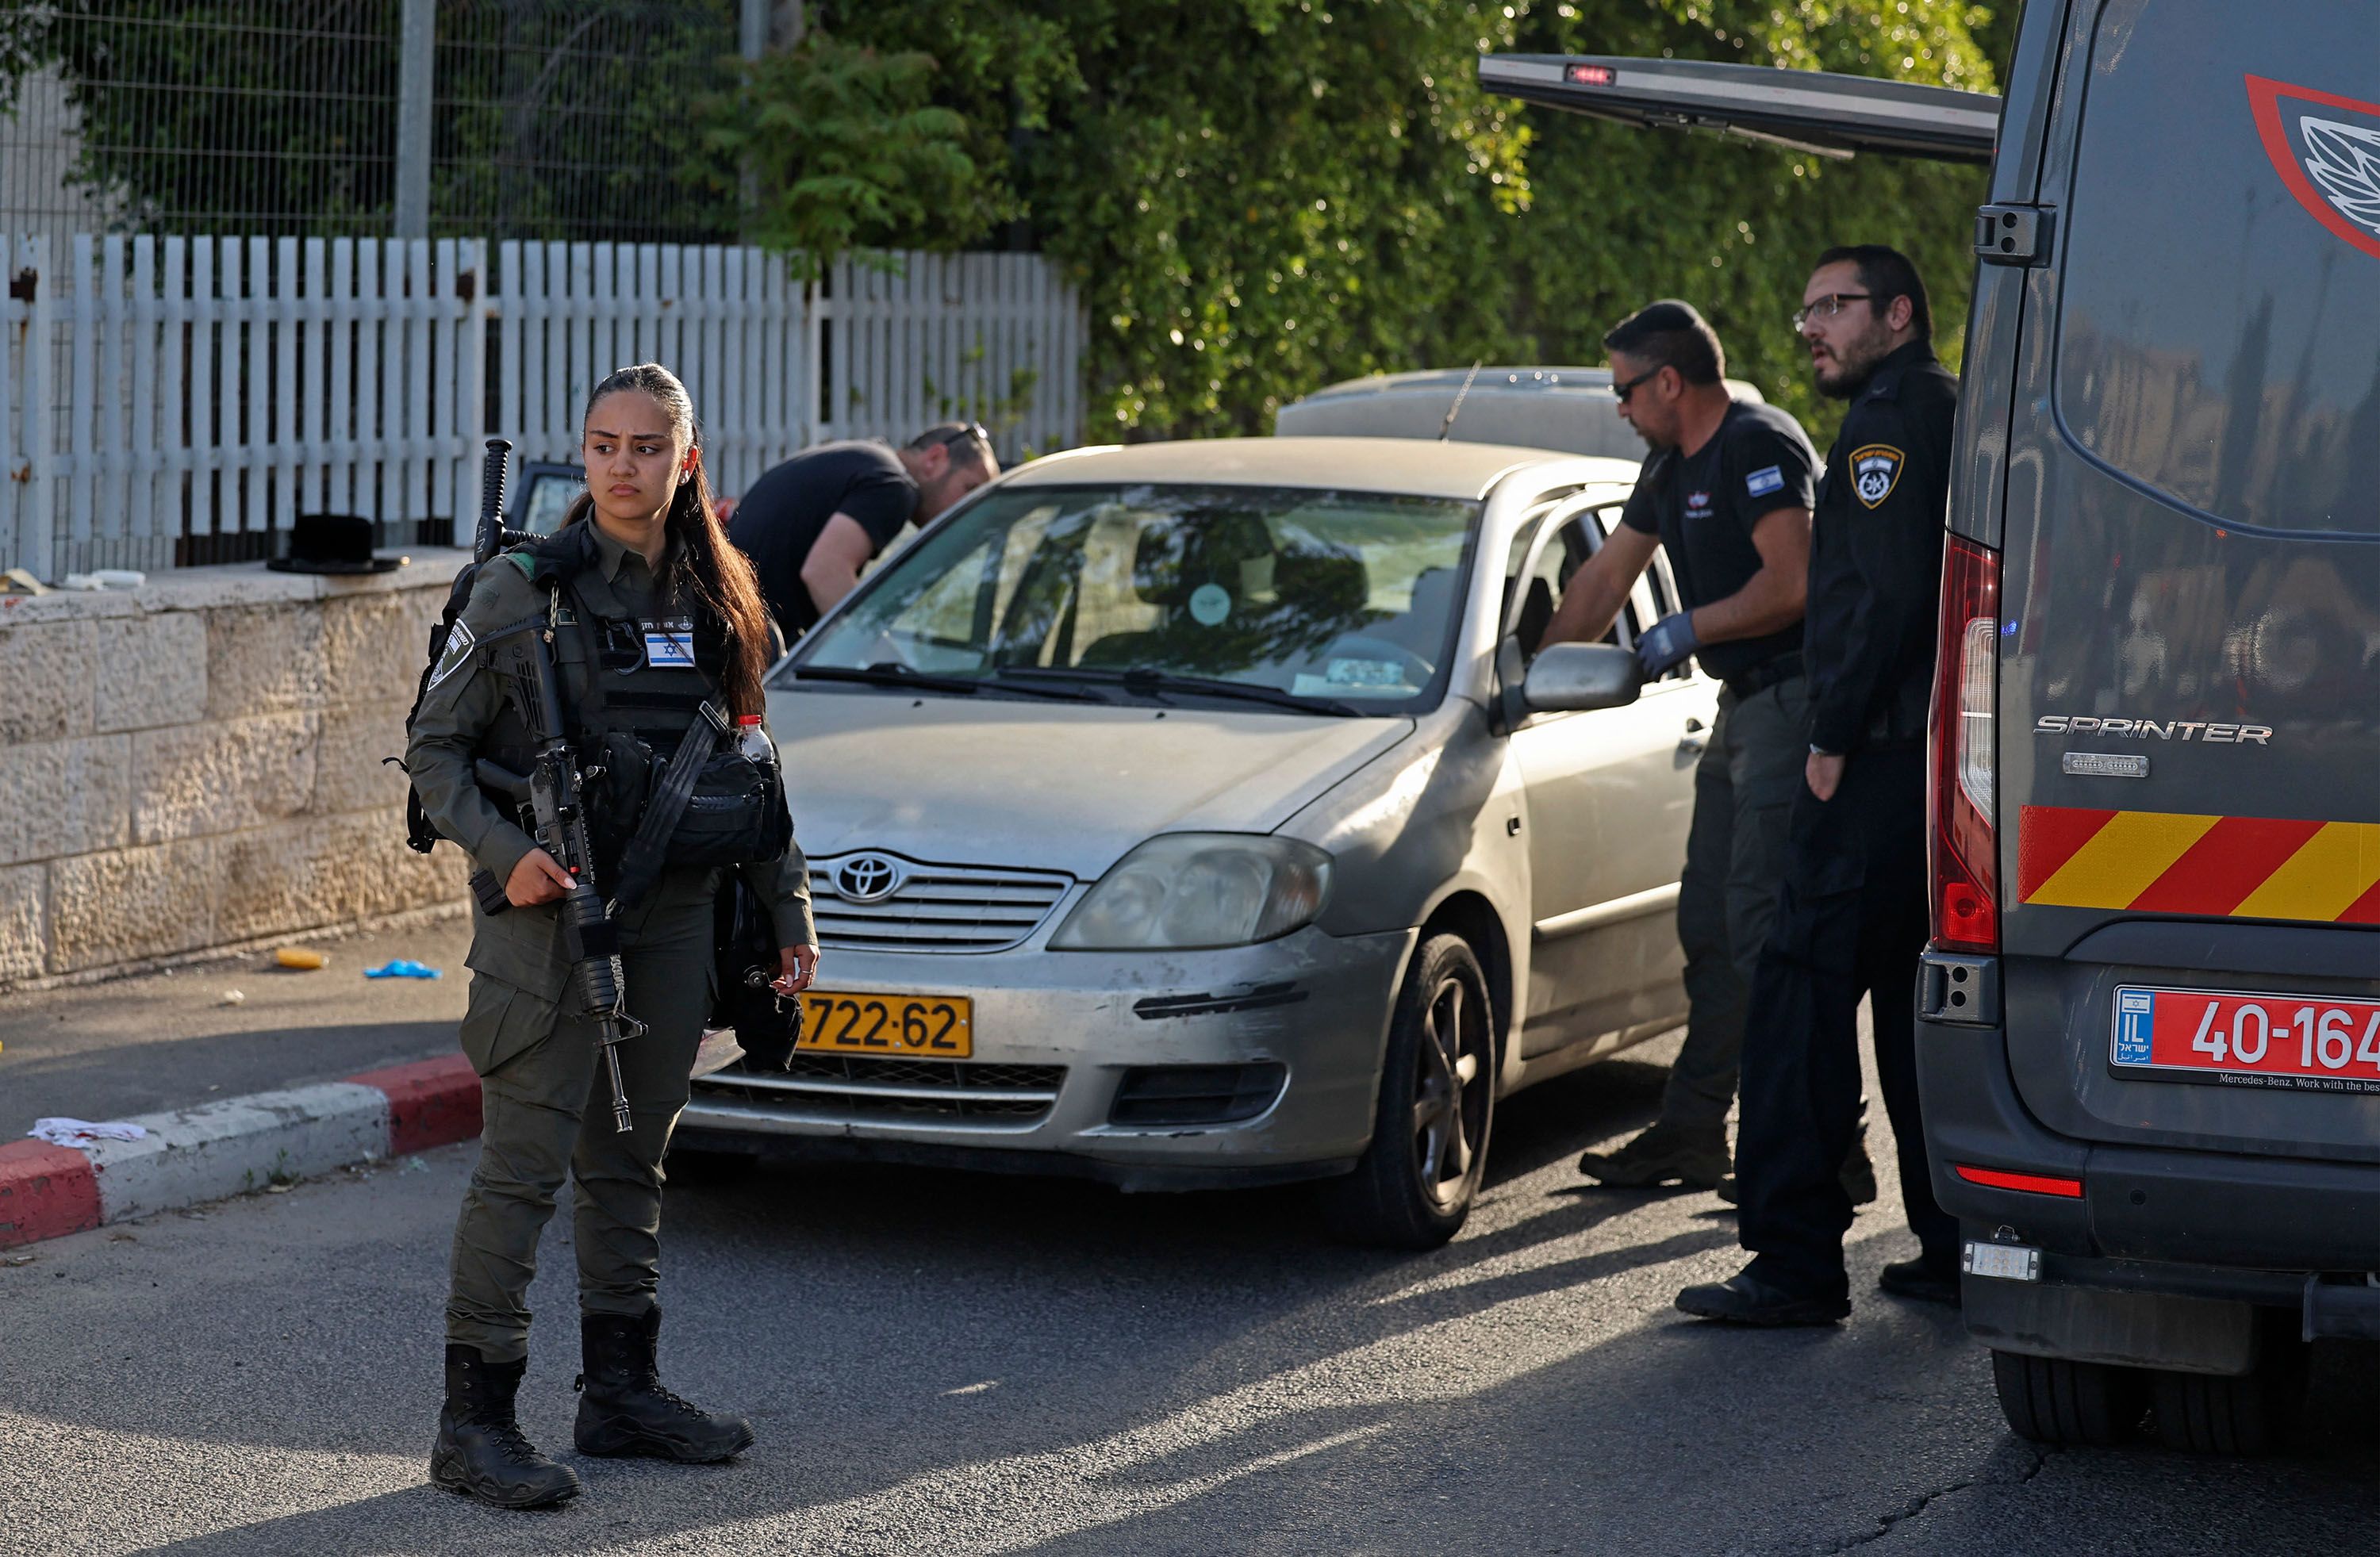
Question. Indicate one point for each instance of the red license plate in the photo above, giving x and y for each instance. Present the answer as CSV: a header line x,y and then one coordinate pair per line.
x,y
2289,1041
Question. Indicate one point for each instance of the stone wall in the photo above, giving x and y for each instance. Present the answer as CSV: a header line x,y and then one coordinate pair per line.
x,y
197,762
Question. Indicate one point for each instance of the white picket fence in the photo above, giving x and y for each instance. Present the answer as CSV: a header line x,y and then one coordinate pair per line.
x,y
207,391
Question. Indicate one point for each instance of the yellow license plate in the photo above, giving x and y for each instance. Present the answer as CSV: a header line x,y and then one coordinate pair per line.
x,y
898,1026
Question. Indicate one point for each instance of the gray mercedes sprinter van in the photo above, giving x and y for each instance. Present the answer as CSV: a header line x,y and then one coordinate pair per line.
x,y
2150,1015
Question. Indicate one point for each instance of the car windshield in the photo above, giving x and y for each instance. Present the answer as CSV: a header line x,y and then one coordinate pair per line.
x,y
1268,595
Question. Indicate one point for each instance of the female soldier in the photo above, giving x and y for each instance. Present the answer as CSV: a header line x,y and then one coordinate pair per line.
x,y
648,611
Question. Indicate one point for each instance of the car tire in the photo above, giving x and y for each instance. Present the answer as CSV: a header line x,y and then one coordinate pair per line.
x,y
1414,1186
2244,1414
2058,1400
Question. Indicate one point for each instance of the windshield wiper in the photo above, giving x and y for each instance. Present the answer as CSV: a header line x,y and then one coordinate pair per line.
x,y
886,673
1147,683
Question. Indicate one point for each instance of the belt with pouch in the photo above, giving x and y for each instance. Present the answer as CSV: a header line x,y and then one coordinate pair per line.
x,y
1767,673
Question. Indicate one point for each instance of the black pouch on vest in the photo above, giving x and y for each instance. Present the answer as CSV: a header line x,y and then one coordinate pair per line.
x,y
737,814
767,1025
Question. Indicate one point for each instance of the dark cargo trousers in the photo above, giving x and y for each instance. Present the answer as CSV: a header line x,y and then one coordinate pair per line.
x,y
1851,920
546,1111
1744,784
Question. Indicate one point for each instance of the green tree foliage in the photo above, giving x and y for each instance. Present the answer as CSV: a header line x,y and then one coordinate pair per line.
x,y
1259,197
846,148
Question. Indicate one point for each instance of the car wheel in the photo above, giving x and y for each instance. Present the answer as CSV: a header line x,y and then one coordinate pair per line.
x,y
2242,1414
1414,1186
2057,1400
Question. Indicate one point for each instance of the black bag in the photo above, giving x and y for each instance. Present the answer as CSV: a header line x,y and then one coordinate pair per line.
x,y
744,935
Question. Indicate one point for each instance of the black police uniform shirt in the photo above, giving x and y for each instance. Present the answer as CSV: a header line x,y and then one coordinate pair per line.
x,y
1876,557
782,518
1702,506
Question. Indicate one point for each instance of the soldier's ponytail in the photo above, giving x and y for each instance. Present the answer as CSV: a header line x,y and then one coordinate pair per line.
x,y
705,566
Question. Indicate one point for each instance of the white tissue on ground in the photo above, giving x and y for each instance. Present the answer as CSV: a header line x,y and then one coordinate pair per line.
x,y
67,1132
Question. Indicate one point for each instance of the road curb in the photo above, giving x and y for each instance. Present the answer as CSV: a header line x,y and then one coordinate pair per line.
x,y
229,1147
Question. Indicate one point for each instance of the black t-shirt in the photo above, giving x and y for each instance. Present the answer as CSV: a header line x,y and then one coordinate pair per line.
x,y
1703,506
782,515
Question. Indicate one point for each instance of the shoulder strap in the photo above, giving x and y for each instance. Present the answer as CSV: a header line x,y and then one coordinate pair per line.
x,y
641,862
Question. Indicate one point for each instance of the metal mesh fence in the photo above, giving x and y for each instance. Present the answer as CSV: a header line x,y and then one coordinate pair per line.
x,y
552,118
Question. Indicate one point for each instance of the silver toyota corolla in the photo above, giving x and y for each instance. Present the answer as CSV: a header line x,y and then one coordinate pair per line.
x,y
1189,815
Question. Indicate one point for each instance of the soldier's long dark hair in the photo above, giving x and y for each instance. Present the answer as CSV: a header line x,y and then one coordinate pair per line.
x,y
704,567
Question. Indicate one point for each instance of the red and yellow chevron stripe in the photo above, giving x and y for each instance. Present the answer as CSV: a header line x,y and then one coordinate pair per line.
x,y
2172,861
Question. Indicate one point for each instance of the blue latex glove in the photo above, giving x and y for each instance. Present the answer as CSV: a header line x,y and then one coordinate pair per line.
x,y
1666,643
400,969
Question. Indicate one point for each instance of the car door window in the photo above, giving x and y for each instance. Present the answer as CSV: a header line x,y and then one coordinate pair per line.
x,y
1580,534
1653,597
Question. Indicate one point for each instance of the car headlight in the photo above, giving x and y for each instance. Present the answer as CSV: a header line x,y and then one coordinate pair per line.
x,y
1186,890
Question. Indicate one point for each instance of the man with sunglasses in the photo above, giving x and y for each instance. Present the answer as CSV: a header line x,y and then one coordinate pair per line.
x,y
1850,917
811,525
1726,492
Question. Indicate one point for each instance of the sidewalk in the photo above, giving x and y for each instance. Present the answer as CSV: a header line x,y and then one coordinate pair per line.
x,y
308,1073
167,1040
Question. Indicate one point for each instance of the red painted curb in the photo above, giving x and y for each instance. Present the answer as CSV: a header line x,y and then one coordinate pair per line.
x,y
45,1193
430,1102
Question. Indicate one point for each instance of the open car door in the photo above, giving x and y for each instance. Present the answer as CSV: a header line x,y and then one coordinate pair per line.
x,y
1831,115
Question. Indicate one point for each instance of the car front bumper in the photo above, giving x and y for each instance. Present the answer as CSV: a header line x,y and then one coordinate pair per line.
x,y
1056,1034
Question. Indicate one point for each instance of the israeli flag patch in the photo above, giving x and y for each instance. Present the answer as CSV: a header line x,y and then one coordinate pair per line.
x,y
669,646
1767,479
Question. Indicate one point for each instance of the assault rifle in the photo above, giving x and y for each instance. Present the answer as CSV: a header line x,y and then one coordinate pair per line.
x,y
554,791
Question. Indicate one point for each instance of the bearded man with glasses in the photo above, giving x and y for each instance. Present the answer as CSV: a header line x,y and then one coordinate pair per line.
x,y
813,523
1726,491
1851,917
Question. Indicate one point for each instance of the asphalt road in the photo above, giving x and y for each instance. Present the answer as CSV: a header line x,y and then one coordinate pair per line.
x,y
948,1364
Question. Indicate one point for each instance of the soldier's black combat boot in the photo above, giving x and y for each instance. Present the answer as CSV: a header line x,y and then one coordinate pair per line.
x,y
480,1451
626,1411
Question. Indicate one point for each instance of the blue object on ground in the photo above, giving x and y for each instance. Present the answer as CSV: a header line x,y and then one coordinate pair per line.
x,y
400,969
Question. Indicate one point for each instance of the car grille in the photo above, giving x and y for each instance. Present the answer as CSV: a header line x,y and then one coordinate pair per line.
x,y
841,1086
936,908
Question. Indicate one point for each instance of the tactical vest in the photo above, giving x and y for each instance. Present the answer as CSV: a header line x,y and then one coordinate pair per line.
x,y
625,716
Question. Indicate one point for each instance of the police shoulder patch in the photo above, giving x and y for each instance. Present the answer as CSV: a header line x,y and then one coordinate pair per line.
x,y
459,644
1875,470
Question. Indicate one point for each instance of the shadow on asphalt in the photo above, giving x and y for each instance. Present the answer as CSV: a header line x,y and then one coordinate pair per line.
x,y
1198,1373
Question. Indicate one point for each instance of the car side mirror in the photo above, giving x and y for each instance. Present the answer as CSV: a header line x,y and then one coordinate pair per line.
x,y
1567,677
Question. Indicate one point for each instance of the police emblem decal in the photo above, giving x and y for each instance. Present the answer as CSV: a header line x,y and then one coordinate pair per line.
x,y
2330,159
1875,470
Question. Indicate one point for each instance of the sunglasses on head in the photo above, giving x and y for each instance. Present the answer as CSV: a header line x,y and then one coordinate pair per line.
x,y
973,429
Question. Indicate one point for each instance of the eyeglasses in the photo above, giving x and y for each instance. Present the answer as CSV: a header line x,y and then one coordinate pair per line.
x,y
1632,385
1827,307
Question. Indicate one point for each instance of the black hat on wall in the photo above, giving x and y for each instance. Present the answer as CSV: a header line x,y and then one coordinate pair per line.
x,y
332,543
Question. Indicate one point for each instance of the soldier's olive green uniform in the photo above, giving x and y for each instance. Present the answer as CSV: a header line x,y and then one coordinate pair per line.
x,y
546,1103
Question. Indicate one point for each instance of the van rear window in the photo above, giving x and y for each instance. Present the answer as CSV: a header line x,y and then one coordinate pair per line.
x,y
2222,264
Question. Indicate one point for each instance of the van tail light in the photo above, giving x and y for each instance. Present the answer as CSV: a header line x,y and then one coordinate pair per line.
x,y
1962,751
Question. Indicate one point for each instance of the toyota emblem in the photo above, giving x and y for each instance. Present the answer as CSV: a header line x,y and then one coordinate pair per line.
x,y
866,878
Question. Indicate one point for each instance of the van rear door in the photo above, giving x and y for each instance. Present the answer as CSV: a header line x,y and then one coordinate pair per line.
x,y
2189,763
1809,110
